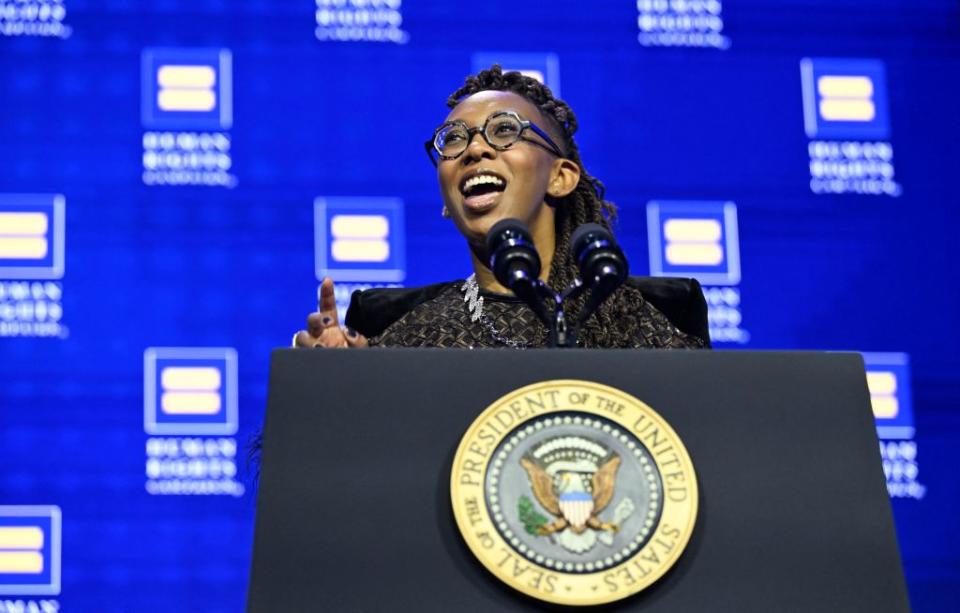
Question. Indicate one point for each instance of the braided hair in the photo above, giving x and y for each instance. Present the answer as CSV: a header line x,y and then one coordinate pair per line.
x,y
585,204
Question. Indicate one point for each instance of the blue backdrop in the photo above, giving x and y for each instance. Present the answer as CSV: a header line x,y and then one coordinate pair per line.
x,y
176,177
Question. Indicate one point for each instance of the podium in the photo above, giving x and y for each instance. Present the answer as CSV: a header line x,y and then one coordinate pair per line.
x,y
354,509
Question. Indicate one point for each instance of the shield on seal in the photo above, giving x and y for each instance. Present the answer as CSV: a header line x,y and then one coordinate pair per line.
x,y
576,507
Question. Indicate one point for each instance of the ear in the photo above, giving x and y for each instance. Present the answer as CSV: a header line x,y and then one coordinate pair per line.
x,y
564,177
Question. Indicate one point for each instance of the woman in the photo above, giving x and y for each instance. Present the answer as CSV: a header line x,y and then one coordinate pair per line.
x,y
505,150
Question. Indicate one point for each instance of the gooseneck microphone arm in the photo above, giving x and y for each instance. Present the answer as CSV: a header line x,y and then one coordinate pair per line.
x,y
513,258
603,268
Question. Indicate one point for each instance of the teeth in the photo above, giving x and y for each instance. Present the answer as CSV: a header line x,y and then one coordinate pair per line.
x,y
481,180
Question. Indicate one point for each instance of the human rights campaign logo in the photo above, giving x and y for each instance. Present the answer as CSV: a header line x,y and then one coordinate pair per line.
x,y
190,390
186,89
844,99
360,239
544,67
694,239
888,378
29,550
31,236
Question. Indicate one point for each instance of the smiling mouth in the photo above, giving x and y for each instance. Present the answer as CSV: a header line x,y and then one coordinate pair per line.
x,y
481,190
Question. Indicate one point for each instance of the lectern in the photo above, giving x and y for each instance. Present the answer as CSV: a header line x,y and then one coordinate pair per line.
x,y
354,509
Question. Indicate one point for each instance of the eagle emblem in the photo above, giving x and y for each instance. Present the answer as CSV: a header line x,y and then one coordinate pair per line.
x,y
573,479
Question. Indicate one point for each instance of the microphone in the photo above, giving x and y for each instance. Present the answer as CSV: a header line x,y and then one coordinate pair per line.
x,y
515,263
603,267
512,256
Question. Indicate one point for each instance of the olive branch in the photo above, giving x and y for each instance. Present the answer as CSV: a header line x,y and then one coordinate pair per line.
x,y
531,519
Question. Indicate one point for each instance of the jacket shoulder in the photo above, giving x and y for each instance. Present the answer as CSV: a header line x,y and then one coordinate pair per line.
x,y
371,311
680,300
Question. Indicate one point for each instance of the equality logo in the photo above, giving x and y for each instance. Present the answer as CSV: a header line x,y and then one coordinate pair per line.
x,y
845,99
700,239
186,108
544,67
694,239
190,390
888,379
30,550
186,89
360,243
359,239
847,118
573,492
32,236
32,257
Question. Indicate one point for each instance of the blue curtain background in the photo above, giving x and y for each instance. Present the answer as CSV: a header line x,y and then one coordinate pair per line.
x,y
695,104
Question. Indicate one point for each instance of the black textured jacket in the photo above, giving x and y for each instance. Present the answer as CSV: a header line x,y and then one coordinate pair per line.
x,y
372,311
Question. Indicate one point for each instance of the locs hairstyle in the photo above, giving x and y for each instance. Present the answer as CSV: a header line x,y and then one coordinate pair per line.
x,y
585,204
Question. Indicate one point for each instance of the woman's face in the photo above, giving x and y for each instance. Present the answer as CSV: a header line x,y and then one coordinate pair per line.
x,y
519,176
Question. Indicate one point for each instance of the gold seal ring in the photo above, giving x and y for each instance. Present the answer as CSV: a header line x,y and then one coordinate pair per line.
x,y
574,492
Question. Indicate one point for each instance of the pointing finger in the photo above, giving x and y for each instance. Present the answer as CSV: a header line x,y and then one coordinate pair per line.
x,y
328,304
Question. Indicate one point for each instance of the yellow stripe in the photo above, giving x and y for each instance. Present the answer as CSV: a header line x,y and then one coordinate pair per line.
x,y
885,407
692,254
21,562
845,87
354,250
198,77
359,226
882,383
186,100
17,537
692,230
190,378
26,248
187,403
23,224
843,109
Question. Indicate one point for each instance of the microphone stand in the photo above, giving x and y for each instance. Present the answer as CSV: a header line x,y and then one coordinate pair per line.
x,y
603,268
560,334
537,295
515,263
603,286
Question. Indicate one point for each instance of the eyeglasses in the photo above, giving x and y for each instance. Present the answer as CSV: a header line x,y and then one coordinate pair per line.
x,y
501,131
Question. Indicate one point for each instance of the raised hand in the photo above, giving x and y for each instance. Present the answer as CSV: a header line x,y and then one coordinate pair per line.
x,y
323,326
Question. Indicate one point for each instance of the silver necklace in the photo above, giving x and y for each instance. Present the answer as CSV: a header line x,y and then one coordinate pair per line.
x,y
471,295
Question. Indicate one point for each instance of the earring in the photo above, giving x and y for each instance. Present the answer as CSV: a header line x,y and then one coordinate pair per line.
x,y
445,212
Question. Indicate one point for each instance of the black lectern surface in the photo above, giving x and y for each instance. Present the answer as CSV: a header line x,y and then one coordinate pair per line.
x,y
354,512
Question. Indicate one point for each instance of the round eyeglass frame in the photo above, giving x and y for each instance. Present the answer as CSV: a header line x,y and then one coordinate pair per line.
x,y
435,154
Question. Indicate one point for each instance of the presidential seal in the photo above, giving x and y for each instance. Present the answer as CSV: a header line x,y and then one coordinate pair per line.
x,y
573,492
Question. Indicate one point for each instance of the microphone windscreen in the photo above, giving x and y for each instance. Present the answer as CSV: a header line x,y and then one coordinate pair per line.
x,y
586,234
503,230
